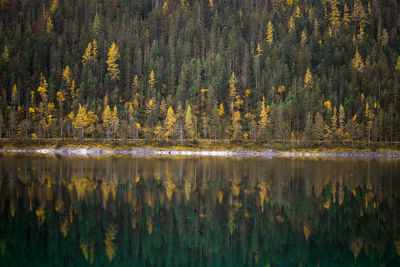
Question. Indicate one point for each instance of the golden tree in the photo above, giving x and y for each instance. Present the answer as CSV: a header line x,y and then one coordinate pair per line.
x,y
54,5
49,25
342,118
308,79
357,62
80,121
113,57
87,56
265,119
107,118
346,15
335,16
189,122
5,55
152,82
236,125
95,50
115,120
270,33
292,25
236,100
397,67
303,39
170,122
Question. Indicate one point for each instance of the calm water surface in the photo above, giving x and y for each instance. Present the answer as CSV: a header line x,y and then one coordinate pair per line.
x,y
198,211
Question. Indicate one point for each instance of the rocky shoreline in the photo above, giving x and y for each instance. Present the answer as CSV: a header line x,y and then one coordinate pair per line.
x,y
71,151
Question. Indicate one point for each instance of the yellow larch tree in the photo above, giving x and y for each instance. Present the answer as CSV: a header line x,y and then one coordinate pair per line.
x,y
221,110
265,119
189,127
397,67
298,12
80,121
303,39
346,15
49,25
152,82
107,120
357,62
270,33
342,118
170,121
87,56
115,120
308,79
60,97
292,25
235,99
236,125
113,57
5,55
335,16
95,49
54,5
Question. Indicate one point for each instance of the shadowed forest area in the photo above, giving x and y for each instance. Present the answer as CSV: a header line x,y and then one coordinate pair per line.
x,y
304,71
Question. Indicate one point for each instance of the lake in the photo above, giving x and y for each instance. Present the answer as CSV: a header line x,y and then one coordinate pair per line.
x,y
198,211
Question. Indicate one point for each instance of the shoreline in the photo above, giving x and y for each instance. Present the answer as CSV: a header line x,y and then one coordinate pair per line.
x,y
87,151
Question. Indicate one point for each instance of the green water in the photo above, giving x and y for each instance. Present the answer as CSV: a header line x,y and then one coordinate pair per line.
x,y
198,212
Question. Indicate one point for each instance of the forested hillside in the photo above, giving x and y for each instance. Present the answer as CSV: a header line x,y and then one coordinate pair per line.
x,y
309,70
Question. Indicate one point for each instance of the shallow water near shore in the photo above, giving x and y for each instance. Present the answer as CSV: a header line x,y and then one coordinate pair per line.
x,y
201,211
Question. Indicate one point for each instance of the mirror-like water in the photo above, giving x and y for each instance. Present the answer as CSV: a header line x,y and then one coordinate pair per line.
x,y
198,211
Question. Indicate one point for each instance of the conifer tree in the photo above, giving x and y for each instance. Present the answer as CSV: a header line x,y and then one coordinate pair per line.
x,y
189,127
270,33
292,25
308,79
357,62
113,57
80,121
170,121
107,118
265,119
5,55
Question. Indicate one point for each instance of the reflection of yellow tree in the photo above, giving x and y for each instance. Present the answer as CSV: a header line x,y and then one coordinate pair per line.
x,y
220,196
188,189
87,251
40,213
356,246
83,186
169,188
109,242
64,227
108,187
149,225
264,193
307,230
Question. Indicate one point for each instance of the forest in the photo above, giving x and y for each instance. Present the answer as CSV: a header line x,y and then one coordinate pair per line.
x,y
251,70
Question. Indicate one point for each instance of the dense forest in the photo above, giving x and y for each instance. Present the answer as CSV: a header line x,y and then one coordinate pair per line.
x,y
312,70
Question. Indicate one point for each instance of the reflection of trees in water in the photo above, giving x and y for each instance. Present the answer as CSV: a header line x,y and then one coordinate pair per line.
x,y
203,211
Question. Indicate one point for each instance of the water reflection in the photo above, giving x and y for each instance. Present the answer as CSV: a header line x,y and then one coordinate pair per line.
x,y
198,211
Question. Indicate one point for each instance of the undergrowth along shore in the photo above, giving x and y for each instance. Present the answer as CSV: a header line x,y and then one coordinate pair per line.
x,y
200,145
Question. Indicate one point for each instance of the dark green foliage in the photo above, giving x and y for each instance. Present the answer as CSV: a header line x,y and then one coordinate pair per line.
x,y
190,46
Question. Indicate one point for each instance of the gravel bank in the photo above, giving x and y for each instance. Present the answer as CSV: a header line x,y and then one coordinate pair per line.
x,y
70,151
